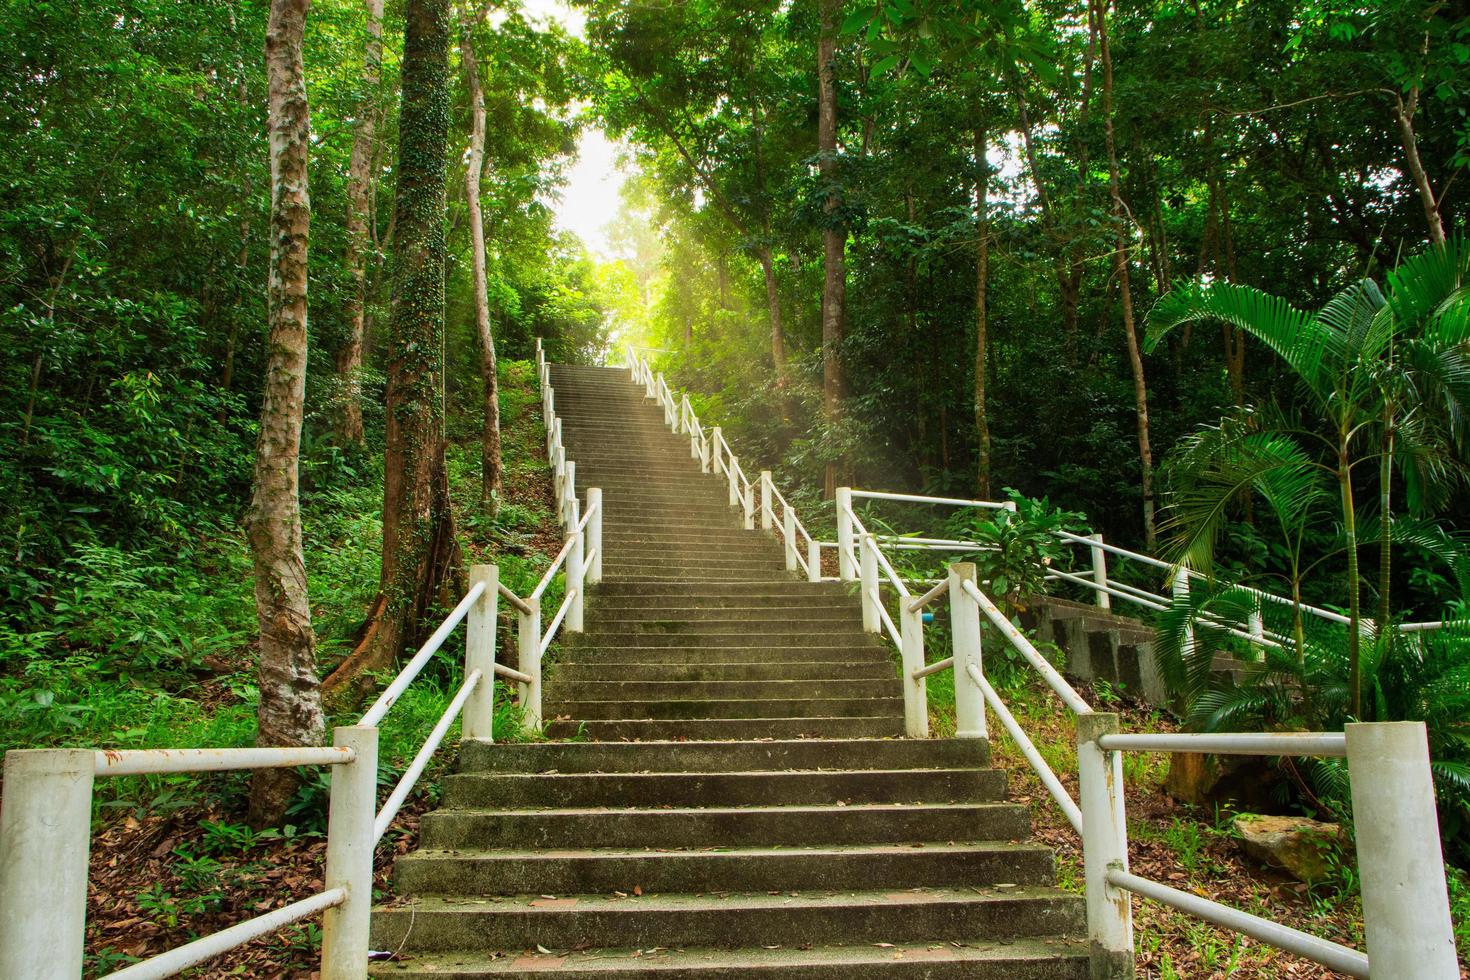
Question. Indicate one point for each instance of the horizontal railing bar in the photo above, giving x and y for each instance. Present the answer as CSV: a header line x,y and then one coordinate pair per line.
x,y
887,619
1007,629
903,590
1326,744
208,947
513,599
582,524
588,558
1331,955
411,669
515,675
555,624
918,499
1089,583
933,668
421,760
1028,749
1112,549
941,589
138,762
561,556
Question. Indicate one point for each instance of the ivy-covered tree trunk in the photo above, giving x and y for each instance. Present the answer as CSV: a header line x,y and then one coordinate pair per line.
x,y
490,469
359,235
834,232
982,276
419,552
1125,287
290,708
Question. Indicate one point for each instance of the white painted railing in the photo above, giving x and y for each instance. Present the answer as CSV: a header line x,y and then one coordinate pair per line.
x,y
46,813
756,500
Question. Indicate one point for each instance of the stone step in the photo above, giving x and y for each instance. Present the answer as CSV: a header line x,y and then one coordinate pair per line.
x,y
478,755
964,958
620,689
745,869
782,602
701,708
761,788
561,828
830,638
784,587
677,616
727,921
680,653
887,725
626,670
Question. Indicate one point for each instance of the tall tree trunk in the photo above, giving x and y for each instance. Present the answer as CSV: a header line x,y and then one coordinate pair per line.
x,y
290,707
982,276
834,232
359,234
1403,114
490,469
1125,290
419,552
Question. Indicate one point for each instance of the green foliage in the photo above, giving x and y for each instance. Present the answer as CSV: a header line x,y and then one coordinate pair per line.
x,y
1018,544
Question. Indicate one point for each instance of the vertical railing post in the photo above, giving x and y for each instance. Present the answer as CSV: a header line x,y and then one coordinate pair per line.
x,y
730,470
569,496
350,816
650,390
749,504
694,450
714,440
1100,571
1406,908
528,650
768,513
845,570
788,536
594,535
813,561
911,651
868,582
479,654
704,453
576,581
964,623
45,841
684,410
1104,849
1180,590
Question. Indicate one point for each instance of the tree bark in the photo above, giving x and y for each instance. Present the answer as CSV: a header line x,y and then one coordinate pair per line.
x,y
490,468
982,275
420,555
834,232
1125,290
290,708
1403,113
359,233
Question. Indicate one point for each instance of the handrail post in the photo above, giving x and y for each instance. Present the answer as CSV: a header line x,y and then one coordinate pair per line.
x,y
479,654
714,438
749,504
868,554
576,580
352,810
845,570
650,390
594,534
1406,909
1104,849
964,621
915,689
528,649
45,841
704,451
569,496
684,425
1100,571
694,451
730,471
788,536
813,561
768,513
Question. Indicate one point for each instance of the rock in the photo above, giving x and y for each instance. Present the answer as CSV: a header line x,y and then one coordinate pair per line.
x,y
1239,782
1297,845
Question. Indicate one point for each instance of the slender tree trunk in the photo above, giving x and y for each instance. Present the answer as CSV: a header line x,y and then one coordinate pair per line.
x,y
982,276
834,232
359,234
290,707
1385,527
1125,290
773,312
1403,113
420,557
1350,534
490,469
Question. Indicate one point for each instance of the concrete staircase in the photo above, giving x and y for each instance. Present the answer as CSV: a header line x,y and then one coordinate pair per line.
x,y
736,800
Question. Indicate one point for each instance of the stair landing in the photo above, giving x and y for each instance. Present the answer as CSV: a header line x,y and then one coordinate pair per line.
x,y
736,798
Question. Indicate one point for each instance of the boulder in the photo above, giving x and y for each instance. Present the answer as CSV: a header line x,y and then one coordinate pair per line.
x,y
1298,845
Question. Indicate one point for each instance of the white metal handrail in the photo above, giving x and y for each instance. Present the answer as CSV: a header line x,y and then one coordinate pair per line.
x,y
716,457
